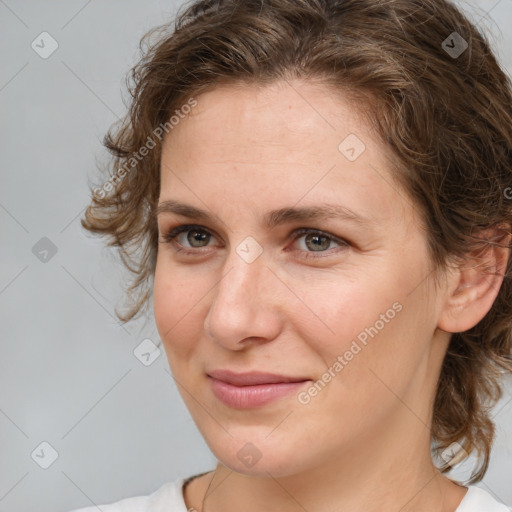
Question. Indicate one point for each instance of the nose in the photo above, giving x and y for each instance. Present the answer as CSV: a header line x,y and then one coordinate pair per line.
x,y
247,304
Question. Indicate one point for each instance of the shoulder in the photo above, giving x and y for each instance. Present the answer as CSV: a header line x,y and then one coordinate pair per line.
x,y
479,500
167,498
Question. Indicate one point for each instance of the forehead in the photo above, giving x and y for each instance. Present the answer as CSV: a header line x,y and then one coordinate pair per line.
x,y
286,113
278,145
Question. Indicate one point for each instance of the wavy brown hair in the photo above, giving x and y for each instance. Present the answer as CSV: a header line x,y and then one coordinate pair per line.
x,y
447,121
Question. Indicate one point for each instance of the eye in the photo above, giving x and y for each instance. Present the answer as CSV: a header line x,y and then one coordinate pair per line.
x,y
319,242
197,237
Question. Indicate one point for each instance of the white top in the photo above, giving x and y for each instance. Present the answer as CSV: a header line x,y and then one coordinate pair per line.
x,y
169,498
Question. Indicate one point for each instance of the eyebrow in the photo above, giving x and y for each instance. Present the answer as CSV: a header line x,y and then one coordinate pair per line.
x,y
274,217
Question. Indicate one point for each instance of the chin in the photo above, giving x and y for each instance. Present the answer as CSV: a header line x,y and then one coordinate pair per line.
x,y
251,457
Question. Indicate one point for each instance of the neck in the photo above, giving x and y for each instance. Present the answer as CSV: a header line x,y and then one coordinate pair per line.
x,y
383,476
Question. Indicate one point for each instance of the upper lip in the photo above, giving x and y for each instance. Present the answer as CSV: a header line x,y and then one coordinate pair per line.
x,y
252,378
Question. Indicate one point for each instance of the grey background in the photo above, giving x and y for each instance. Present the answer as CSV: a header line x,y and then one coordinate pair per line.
x,y
68,374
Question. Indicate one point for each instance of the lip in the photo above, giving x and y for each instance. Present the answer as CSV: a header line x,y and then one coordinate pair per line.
x,y
252,378
253,389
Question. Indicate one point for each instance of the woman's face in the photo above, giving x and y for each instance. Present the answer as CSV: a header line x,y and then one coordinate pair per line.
x,y
345,306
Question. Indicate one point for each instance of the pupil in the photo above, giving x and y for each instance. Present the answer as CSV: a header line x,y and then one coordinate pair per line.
x,y
316,239
196,236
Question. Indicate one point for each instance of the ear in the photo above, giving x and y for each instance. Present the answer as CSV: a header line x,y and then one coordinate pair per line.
x,y
475,284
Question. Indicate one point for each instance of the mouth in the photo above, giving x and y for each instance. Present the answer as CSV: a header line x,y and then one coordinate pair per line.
x,y
253,389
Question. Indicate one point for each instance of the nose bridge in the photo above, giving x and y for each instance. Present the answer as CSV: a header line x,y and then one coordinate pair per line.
x,y
241,284
241,305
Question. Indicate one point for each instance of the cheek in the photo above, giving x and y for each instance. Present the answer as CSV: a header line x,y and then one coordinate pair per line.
x,y
343,309
368,322
175,305
163,299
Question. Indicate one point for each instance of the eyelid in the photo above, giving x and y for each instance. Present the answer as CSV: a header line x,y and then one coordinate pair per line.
x,y
170,235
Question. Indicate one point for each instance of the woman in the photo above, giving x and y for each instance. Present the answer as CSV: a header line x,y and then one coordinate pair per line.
x,y
319,192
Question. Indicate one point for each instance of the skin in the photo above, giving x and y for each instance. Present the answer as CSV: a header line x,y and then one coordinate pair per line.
x,y
363,442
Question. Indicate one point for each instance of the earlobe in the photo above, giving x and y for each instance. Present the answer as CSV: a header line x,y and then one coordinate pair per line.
x,y
474,286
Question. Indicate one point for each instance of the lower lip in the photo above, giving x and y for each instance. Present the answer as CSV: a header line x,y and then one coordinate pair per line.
x,y
243,397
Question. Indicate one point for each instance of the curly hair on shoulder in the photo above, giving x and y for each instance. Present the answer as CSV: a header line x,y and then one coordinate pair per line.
x,y
445,115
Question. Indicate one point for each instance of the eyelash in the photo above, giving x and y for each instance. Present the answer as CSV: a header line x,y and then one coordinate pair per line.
x,y
171,235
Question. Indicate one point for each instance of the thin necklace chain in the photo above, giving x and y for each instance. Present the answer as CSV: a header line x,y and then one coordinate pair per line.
x,y
207,489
